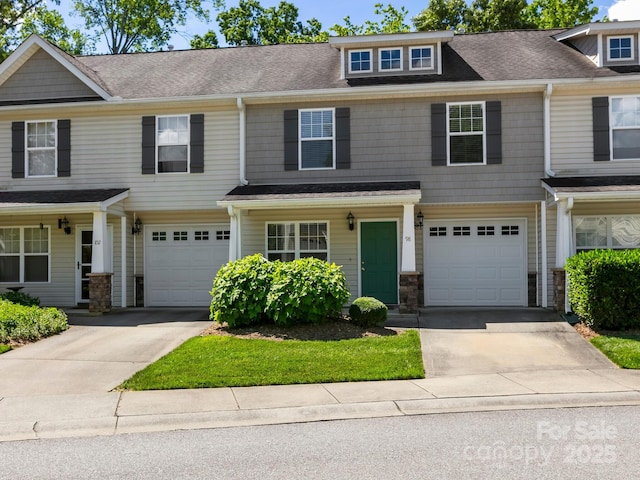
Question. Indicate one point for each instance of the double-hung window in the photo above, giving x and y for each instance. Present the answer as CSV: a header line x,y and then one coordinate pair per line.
x,y
390,59
24,254
41,148
292,240
625,127
466,133
317,134
620,48
173,144
421,58
360,61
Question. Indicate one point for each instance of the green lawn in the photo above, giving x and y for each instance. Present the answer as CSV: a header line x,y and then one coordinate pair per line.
x,y
622,349
4,348
218,361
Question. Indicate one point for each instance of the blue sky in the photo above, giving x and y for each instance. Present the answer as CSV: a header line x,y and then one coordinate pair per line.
x,y
330,12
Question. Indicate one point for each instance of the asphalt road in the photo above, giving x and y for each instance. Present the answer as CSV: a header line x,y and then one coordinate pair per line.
x,y
585,443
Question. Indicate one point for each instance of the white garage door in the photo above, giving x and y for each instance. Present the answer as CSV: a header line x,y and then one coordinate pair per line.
x,y
475,263
181,262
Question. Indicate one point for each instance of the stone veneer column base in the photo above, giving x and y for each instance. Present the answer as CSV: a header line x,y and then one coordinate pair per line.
x,y
99,292
559,289
409,292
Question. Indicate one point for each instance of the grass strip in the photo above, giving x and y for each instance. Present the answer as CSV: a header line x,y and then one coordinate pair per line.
x,y
4,348
621,349
219,361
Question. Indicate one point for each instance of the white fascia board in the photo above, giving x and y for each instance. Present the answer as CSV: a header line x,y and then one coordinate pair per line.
x,y
391,38
113,200
593,196
598,27
280,203
45,208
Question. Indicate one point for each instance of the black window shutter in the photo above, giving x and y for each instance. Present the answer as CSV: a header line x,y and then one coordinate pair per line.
x,y
148,145
64,148
343,138
494,132
17,150
291,140
438,134
197,143
601,147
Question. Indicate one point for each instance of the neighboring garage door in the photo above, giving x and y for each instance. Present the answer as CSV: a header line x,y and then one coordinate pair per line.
x,y
475,263
181,262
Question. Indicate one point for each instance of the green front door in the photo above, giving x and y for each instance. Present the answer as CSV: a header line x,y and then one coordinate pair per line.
x,y
379,261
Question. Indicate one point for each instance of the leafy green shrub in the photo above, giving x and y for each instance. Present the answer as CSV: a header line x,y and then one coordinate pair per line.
x,y
368,312
22,323
604,288
21,298
308,290
240,289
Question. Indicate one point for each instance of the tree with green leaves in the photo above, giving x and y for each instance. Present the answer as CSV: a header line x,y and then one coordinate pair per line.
x,y
560,13
441,15
12,14
254,24
137,25
393,21
208,40
494,15
50,25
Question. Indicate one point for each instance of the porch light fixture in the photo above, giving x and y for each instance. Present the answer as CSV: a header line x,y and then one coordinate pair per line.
x,y
63,224
137,227
420,220
350,219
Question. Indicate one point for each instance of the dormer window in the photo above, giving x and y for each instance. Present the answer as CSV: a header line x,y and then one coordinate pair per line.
x,y
390,59
360,61
620,48
421,58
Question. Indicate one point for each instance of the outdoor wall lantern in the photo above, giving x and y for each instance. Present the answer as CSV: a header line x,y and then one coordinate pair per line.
x,y
63,224
420,220
137,227
350,219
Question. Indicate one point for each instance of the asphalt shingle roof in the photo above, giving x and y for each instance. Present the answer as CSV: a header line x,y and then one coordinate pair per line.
x,y
594,184
510,55
59,196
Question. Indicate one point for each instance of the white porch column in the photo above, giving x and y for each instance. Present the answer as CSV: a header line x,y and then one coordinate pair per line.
x,y
563,233
123,261
234,235
100,256
408,240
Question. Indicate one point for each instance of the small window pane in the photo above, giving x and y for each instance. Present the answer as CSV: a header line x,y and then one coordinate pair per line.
x,y
317,154
36,268
9,240
466,149
625,232
626,144
9,268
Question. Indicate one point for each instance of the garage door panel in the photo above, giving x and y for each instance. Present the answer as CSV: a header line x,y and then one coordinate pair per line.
x,y
486,267
179,270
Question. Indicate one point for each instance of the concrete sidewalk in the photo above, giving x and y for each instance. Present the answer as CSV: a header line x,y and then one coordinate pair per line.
x,y
476,360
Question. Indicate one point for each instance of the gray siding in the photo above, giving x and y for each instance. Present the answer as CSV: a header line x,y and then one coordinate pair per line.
x,y
43,78
391,141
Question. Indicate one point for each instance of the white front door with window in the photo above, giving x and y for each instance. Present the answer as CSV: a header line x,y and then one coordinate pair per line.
x,y
475,263
84,250
181,262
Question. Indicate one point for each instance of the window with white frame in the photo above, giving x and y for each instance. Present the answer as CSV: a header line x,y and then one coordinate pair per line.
x,y
620,48
173,144
625,127
421,58
317,133
390,59
466,132
360,61
292,240
615,232
41,151
24,254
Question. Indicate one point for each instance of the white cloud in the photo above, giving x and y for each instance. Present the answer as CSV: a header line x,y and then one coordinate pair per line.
x,y
625,10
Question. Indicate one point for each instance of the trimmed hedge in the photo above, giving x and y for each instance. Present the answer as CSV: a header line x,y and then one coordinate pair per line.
x,y
21,298
20,323
368,312
604,288
254,290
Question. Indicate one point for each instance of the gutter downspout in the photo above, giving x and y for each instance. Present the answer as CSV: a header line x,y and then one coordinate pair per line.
x,y
242,141
545,266
547,131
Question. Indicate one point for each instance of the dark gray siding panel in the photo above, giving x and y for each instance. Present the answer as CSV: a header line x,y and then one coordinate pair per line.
x,y
343,138
291,140
64,148
438,134
494,132
197,143
601,147
17,150
148,145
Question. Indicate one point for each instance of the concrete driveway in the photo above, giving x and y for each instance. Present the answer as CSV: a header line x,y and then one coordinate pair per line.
x,y
97,353
470,341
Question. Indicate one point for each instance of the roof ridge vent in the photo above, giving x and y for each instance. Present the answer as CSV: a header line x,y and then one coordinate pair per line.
x,y
243,43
